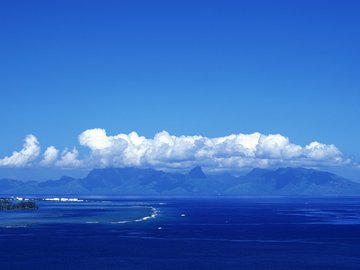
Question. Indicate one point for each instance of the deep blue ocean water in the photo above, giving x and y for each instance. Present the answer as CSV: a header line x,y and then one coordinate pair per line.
x,y
183,233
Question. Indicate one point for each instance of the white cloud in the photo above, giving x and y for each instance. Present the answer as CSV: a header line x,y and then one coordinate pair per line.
x,y
222,153
165,151
95,139
50,156
319,151
69,159
25,156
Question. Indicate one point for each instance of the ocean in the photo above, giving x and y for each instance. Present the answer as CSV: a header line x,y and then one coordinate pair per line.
x,y
182,233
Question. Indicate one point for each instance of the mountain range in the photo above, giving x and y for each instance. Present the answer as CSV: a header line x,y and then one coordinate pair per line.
x,y
135,181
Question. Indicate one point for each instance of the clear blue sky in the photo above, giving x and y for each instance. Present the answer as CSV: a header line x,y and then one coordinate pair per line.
x,y
189,67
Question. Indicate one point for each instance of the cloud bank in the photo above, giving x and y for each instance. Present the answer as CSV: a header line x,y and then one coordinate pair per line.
x,y
165,151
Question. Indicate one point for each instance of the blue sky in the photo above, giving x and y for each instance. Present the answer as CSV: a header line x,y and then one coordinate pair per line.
x,y
209,68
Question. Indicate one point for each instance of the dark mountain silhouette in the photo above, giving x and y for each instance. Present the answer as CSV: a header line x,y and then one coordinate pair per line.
x,y
135,181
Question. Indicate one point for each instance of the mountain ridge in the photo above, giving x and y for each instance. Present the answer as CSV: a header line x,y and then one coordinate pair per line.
x,y
135,181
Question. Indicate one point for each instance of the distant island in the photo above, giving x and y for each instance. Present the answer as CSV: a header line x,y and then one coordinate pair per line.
x,y
12,204
150,182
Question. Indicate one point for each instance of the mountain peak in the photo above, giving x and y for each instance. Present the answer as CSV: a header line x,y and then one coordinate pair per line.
x,y
197,172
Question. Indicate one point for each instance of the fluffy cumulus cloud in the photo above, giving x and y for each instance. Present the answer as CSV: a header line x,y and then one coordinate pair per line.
x,y
222,153
69,159
165,151
25,156
50,156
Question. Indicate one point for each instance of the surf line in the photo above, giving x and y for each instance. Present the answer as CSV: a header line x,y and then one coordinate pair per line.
x,y
154,213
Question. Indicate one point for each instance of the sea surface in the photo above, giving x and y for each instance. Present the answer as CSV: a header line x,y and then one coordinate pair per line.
x,y
182,233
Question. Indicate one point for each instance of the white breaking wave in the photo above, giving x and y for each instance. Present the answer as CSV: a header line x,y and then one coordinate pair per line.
x,y
154,213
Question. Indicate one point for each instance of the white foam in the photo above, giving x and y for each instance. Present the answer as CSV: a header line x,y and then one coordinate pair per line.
x,y
155,212
120,222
